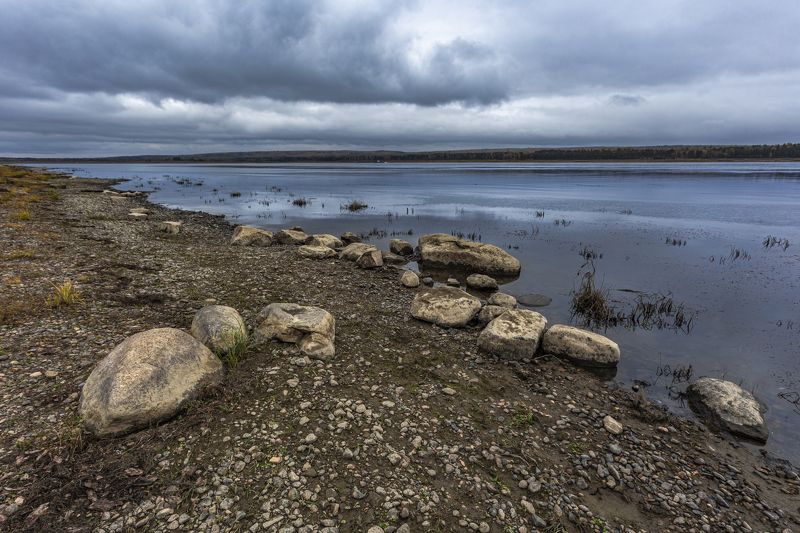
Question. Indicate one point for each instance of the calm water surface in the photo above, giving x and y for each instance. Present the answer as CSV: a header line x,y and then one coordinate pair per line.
x,y
747,323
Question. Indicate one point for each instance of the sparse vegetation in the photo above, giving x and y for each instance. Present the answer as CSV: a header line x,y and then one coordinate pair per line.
x,y
63,295
239,345
523,419
592,306
354,206
770,241
301,202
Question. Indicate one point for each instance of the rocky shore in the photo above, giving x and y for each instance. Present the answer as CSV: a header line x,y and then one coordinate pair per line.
x,y
394,424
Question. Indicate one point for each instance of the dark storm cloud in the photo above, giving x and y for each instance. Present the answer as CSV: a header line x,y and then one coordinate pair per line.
x,y
211,50
87,77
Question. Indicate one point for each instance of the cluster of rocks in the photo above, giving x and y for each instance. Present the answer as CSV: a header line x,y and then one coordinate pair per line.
x,y
154,374
512,333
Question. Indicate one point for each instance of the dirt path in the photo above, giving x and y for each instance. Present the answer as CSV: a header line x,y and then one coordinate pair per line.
x,y
507,447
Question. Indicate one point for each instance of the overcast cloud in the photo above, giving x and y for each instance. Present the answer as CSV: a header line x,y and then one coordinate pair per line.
x,y
123,77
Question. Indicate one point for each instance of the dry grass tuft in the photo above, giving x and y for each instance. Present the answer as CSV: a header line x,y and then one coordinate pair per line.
x,y
63,295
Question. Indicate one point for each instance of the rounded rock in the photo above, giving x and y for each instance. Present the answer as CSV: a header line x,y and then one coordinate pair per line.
x,y
146,379
219,327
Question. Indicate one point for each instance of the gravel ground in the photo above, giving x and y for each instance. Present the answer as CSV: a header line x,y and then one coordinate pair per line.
x,y
408,428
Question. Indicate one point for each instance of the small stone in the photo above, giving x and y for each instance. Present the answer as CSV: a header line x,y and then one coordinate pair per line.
x,y
448,391
311,437
611,425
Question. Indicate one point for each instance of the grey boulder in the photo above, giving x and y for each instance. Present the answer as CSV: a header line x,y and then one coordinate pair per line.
x,y
445,306
251,236
726,405
219,327
312,329
580,346
148,378
515,334
442,250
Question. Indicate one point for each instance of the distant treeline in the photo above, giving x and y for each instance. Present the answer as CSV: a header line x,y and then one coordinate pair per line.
x,y
601,153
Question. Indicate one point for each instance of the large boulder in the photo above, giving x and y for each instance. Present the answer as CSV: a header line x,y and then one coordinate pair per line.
x,y
324,239
442,250
445,306
147,378
580,346
515,334
729,407
316,252
313,329
481,282
291,236
251,236
400,247
219,327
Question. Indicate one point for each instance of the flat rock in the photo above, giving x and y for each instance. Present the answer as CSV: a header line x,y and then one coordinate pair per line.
x,y
726,405
481,282
442,250
401,247
409,279
147,378
316,252
445,306
580,346
312,329
534,300
251,236
325,239
515,334
219,327
291,236
503,300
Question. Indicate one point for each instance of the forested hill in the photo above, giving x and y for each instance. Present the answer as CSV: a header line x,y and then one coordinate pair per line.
x,y
610,153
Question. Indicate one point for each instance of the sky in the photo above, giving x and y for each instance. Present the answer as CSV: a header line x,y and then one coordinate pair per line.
x,y
109,77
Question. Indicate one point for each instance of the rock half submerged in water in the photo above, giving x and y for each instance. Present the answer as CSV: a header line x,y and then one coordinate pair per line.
x,y
442,250
728,406
580,346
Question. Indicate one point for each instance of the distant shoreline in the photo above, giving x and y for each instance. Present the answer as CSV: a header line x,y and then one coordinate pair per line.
x,y
609,154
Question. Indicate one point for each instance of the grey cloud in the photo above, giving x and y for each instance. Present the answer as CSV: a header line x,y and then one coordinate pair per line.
x,y
85,77
625,99
211,50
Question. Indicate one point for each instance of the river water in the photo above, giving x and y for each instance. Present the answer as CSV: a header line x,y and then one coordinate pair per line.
x,y
673,229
